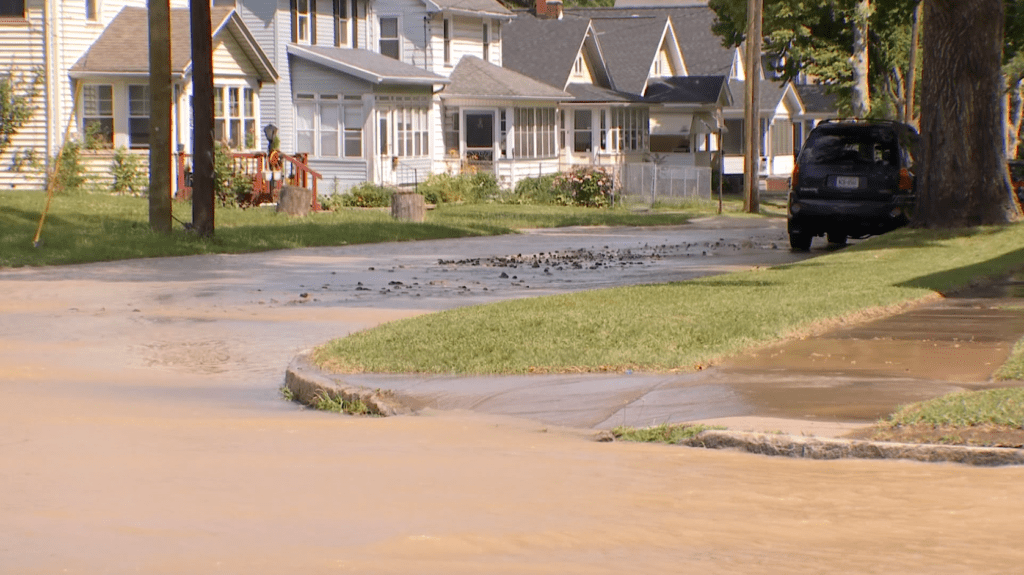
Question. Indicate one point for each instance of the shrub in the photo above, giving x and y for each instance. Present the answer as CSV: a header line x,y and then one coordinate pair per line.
x,y
590,187
446,188
70,173
536,191
127,171
365,195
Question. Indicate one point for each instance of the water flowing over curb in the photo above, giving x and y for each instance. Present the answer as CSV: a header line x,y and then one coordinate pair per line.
x,y
309,385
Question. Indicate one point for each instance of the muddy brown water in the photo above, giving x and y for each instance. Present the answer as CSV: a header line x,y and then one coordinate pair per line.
x,y
141,431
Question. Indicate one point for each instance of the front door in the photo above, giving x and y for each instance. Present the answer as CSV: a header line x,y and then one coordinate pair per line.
x,y
480,140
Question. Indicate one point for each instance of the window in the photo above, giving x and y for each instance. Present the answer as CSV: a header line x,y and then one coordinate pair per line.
x,y
341,23
732,139
329,126
447,41
782,137
301,16
138,116
234,116
98,113
409,118
630,129
487,42
535,133
390,44
582,137
91,9
12,8
577,66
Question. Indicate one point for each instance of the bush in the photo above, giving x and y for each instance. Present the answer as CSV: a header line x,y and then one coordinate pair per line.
x,y
70,173
589,187
127,171
470,188
365,195
534,191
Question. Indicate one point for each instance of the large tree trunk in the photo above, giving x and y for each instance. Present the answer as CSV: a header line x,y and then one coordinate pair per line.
x,y
861,96
964,181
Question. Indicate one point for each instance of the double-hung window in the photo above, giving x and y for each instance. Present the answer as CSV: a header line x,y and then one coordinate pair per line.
x,y
447,41
234,116
583,137
390,41
98,113
329,126
138,116
341,23
10,9
92,10
630,129
302,21
487,42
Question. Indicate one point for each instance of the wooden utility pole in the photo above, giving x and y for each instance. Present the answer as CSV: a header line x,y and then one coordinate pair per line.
x,y
751,120
202,118
160,91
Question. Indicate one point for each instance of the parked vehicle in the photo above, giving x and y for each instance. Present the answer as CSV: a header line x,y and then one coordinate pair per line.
x,y
852,179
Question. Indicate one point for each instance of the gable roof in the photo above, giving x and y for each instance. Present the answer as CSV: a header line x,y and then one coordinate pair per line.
x,y
544,49
702,50
816,99
366,65
122,50
474,78
699,90
484,7
630,45
592,93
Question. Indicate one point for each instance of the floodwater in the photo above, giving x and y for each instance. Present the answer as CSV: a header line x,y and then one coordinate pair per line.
x,y
142,431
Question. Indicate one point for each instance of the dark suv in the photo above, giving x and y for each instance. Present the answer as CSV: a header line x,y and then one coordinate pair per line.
x,y
853,179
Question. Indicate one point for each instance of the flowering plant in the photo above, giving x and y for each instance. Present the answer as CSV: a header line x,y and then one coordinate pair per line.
x,y
590,187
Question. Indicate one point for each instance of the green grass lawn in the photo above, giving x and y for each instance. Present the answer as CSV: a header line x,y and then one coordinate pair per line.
x,y
681,326
99,227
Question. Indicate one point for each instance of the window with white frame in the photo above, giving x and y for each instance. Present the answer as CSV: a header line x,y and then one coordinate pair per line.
x,y
138,116
390,41
630,129
577,67
535,131
782,137
234,116
341,23
98,113
410,128
329,125
583,137
447,34
301,21
92,10
487,42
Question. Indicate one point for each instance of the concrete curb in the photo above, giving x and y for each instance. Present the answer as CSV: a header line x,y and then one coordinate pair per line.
x,y
308,385
825,448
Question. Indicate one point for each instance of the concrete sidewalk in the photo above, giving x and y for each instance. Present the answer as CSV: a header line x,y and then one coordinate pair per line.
x,y
822,386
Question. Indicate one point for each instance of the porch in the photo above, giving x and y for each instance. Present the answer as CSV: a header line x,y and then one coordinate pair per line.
x,y
266,172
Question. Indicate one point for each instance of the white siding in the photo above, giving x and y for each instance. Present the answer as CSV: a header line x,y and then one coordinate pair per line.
x,y
230,60
310,78
23,49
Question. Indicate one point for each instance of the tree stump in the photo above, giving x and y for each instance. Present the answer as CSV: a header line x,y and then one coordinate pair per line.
x,y
295,200
408,207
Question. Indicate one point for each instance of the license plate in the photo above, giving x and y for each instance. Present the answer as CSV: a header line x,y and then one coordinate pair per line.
x,y
847,182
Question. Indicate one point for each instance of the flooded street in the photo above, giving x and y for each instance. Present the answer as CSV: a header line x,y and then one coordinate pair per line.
x,y
142,430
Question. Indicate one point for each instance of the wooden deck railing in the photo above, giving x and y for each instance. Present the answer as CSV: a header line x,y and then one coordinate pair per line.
x,y
266,183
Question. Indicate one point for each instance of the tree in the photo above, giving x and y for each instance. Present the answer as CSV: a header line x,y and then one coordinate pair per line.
x,y
17,95
964,181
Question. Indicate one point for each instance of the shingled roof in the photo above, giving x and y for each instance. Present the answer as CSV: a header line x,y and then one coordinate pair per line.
x,y
366,65
686,90
474,78
488,7
123,47
544,49
816,99
630,45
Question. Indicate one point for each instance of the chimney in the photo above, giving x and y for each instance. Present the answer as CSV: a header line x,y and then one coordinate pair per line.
x,y
555,9
540,9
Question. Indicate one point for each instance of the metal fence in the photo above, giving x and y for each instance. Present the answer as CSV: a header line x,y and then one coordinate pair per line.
x,y
648,183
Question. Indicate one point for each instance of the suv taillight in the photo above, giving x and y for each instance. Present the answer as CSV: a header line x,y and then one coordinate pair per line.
x,y
906,180
795,179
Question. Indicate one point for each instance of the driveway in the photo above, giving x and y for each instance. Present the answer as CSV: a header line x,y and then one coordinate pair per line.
x,y
142,431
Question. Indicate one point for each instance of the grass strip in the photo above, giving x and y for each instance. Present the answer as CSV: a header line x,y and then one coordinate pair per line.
x,y
664,433
1001,407
681,326
87,227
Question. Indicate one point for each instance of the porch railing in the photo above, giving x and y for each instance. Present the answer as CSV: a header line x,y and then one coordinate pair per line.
x,y
266,182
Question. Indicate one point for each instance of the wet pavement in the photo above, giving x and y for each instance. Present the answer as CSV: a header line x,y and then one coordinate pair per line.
x,y
142,430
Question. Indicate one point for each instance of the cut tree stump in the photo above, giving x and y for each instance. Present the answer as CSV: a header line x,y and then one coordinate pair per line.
x,y
408,207
295,200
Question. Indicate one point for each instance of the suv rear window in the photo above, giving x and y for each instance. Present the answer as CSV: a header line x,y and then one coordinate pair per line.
x,y
846,146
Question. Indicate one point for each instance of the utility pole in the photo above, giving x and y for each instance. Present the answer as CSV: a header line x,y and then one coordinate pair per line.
x,y
202,118
751,120
160,90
